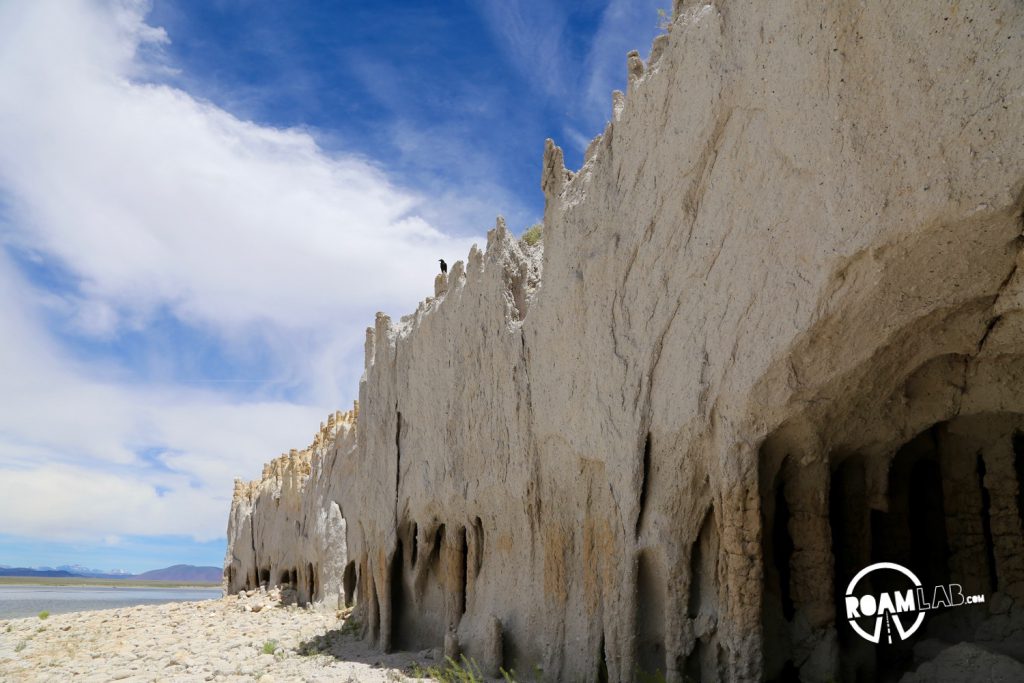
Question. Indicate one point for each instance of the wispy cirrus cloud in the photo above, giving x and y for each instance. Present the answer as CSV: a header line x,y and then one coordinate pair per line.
x,y
532,34
577,69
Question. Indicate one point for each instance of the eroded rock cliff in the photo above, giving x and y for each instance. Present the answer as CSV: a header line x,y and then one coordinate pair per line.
x,y
773,336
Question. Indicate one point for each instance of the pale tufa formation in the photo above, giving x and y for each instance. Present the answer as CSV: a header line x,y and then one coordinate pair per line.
x,y
773,335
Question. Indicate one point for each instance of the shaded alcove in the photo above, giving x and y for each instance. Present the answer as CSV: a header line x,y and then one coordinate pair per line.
x,y
348,584
651,598
399,608
425,585
703,663
929,505
463,569
911,532
1018,469
777,608
850,526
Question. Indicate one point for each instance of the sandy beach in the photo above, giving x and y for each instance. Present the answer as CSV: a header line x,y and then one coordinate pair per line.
x,y
235,638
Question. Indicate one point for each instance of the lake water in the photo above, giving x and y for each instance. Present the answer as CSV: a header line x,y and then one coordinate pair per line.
x,y
28,601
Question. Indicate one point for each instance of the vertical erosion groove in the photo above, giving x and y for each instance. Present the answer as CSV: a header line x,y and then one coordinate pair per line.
x,y
1018,468
349,583
463,571
478,528
986,525
782,544
398,456
602,666
644,476
397,599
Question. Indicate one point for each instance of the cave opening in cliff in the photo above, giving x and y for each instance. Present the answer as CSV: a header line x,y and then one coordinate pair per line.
x,y
463,569
777,608
1018,470
398,600
478,536
931,507
602,663
986,523
651,597
702,603
777,551
311,582
911,533
348,583
265,577
438,541
850,526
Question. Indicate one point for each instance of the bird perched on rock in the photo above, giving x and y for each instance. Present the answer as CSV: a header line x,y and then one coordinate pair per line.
x,y
444,266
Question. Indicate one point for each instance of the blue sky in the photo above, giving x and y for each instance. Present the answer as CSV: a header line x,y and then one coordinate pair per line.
x,y
202,206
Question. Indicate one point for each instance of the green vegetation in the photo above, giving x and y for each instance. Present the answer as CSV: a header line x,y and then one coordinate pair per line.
x,y
510,676
44,615
269,647
647,677
83,581
534,235
21,646
351,627
463,671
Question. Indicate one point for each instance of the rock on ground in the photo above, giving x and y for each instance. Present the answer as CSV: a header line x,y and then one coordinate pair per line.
x,y
212,640
967,663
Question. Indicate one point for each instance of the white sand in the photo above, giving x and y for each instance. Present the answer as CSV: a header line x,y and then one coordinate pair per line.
x,y
213,640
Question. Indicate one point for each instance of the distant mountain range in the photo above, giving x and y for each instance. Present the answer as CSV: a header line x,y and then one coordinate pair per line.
x,y
178,572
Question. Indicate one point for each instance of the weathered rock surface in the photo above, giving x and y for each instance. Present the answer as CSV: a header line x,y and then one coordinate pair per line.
x,y
775,337
290,522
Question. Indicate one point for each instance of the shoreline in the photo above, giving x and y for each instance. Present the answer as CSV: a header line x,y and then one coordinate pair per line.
x,y
228,639
87,582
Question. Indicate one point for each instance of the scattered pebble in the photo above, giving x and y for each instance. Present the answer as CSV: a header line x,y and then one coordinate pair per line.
x,y
211,640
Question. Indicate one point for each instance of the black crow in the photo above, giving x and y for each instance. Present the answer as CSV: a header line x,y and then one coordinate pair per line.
x,y
444,266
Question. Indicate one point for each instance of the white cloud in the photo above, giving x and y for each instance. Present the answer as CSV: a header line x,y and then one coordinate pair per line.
x,y
159,204
154,198
70,443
